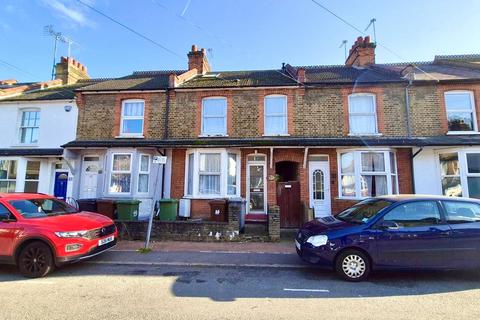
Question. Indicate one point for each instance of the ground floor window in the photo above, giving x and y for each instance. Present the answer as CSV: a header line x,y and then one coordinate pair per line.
x,y
121,175
212,173
143,173
8,175
367,173
460,173
32,176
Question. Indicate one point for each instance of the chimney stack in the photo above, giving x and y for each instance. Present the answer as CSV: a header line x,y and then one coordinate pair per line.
x,y
198,59
70,71
362,53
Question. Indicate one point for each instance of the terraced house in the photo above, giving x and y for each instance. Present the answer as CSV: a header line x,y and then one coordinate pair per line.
x,y
309,139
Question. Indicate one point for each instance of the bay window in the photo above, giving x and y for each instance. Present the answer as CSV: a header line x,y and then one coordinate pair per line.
x,y
275,115
132,118
362,114
212,173
460,109
460,173
121,174
214,116
143,173
8,175
367,174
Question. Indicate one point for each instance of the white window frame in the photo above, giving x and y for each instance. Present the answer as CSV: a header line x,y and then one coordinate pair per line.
x,y
32,180
463,165
350,113
265,115
257,162
217,134
472,110
10,160
120,172
357,158
223,173
140,172
122,118
21,126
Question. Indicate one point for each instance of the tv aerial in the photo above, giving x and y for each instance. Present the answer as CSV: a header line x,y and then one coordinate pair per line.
x,y
57,36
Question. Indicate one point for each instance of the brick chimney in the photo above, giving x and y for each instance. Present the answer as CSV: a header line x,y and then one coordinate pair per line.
x,y
70,71
362,53
198,59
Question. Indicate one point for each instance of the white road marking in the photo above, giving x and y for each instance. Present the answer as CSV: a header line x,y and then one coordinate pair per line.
x,y
200,264
307,290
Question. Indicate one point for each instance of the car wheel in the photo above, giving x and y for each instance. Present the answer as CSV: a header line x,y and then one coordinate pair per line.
x,y
353,265
36,260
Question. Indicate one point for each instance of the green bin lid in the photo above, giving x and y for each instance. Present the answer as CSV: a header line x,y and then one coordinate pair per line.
x,y
168,200
128,201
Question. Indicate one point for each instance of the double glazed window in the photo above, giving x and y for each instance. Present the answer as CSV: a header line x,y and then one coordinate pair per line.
x,y
29,127
460,109
212,173
143,173
121,176
32,176
367,174
132,118
362,114
275,115
214,116
8,175
460,174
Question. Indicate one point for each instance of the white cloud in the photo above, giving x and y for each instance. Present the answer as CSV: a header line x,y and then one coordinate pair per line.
x,y
71,14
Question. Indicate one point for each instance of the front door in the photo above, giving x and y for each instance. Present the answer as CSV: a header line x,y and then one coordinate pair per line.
x,y
420,240
60,187
256,192
288,199
319,174
88,185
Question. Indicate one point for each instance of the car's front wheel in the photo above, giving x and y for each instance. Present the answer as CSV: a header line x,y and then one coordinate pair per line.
x,y
353,265
36,260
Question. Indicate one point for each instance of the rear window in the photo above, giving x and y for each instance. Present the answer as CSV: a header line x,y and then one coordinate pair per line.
x,y
39,208
462,212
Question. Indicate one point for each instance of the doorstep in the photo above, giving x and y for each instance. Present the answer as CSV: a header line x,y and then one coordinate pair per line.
x,y
283,247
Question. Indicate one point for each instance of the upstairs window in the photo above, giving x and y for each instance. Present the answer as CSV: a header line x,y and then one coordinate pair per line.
x,y
132,118
29,127
460,111
362,114
276,115
214,117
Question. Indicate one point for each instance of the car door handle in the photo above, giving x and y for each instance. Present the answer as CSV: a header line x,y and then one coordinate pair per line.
x,y
444,233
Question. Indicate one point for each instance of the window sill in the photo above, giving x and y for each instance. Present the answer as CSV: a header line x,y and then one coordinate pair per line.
x,y
276,135
25,145
129,137
365,134
462,133
213,135
209,197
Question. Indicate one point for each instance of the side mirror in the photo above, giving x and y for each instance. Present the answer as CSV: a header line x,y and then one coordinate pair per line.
x,y
388,225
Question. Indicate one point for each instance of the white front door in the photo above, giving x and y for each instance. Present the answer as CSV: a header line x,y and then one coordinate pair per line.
x,y
319,185
88,184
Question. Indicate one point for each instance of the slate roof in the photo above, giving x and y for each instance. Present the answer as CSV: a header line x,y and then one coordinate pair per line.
x,y
54,93
345,74
139,80
252,78
279,141
31,152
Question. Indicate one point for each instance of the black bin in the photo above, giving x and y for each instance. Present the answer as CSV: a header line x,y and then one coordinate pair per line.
x,y
87,205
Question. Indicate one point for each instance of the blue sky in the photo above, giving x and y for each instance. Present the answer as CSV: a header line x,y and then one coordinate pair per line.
x,y
243,34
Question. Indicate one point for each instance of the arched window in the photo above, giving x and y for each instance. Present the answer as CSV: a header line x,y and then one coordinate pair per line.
x,y
318,185
362,114
275,115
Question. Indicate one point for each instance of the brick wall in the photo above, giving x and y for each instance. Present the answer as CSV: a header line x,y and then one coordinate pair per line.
x,y
99,115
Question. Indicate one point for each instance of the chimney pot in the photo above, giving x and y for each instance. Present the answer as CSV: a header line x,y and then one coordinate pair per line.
x,y
194,48
362,53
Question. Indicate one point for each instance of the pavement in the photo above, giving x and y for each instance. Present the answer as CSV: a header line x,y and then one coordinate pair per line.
x,y
226,282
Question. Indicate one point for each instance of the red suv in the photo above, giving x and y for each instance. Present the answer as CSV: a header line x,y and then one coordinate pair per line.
x,y
39,232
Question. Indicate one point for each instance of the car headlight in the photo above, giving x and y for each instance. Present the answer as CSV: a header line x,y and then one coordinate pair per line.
x,y
72,234
317,241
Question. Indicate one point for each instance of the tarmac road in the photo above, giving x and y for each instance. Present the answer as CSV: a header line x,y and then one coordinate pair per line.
x,y
129,285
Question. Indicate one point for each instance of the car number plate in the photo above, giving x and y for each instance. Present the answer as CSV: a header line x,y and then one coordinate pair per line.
x,y
299,247
103,241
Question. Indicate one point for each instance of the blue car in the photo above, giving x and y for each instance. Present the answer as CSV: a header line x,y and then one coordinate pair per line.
x,y
394,233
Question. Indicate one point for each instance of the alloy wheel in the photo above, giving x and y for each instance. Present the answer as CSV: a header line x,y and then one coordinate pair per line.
x,y
354,266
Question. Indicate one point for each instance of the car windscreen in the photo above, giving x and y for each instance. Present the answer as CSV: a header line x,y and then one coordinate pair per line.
x,y
38,208
363,211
